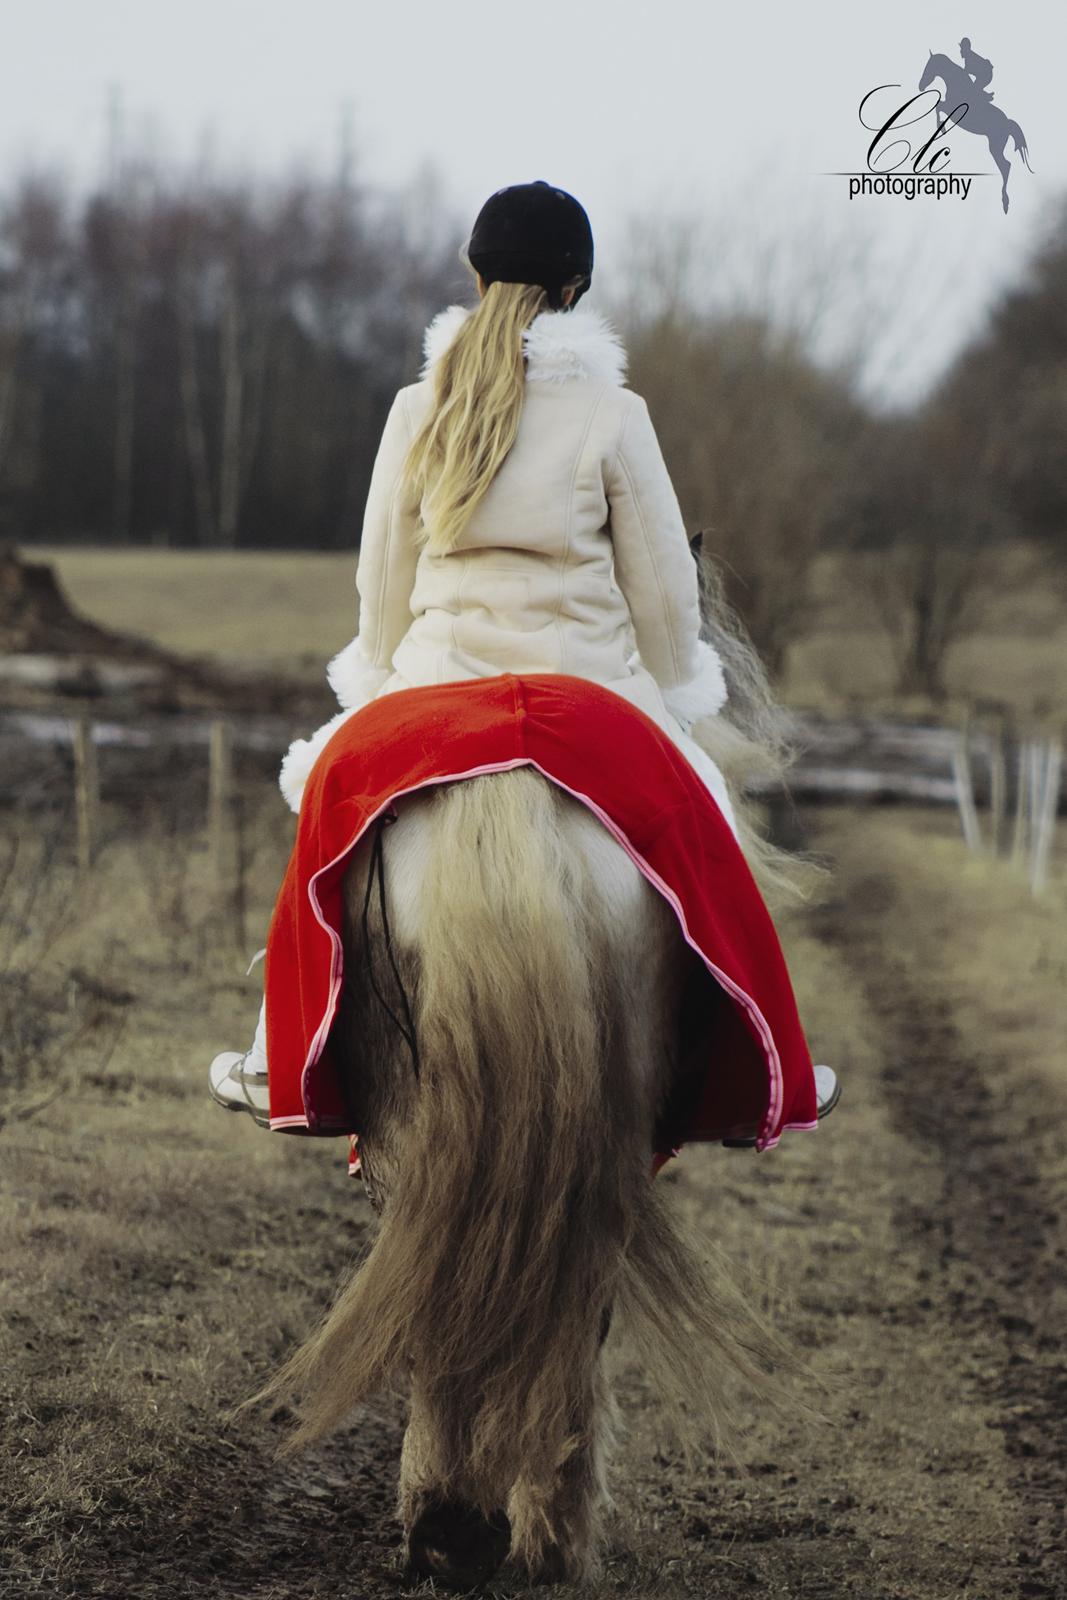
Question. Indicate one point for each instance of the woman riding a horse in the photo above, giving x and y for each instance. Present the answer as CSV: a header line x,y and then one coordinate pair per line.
x,y
528,598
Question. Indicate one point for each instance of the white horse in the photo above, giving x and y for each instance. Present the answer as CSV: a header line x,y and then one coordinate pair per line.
x,y
556,1007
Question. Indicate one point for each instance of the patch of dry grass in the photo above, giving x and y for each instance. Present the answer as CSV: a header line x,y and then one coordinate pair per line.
x,y
155,1252
280,609
998,955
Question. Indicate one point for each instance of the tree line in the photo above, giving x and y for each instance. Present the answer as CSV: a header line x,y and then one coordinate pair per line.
x,y
785,462
209,365
206,365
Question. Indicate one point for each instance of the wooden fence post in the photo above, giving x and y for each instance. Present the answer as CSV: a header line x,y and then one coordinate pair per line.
x,y
998,782
1036,787
1045,814
961,768
86,791
1022,781
220,793
227,842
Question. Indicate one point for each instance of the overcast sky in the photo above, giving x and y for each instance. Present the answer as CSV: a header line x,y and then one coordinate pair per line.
x,y
731,114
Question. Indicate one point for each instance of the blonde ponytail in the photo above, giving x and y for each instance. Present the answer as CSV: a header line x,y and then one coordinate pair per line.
x,y
479,385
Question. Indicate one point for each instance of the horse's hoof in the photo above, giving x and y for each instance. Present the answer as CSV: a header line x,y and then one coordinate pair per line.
x,y
454,1542
550,1568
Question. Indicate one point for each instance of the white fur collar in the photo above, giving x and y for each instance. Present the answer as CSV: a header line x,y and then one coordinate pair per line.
x,y
558,345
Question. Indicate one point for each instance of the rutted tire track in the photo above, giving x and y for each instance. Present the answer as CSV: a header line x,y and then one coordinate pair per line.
x,y
995,1243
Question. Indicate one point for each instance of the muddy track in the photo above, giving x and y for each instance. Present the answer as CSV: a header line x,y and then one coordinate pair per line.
x,y
992,1238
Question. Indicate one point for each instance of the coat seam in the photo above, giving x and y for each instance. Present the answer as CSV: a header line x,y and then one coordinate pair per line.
x,y
624,469
570,528
623,420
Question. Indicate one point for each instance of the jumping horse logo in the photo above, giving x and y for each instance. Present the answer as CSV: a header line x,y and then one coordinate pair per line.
x,y
969,104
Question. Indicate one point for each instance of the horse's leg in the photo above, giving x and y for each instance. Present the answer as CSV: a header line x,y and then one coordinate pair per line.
x,y
557,1528
1004,164
447,1535
420,1470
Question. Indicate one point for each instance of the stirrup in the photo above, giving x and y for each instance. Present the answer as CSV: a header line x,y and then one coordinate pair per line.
x,y
827,1094
238,1090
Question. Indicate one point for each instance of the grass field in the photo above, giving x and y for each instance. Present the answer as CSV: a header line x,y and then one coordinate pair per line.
x,y
157,1255
295,610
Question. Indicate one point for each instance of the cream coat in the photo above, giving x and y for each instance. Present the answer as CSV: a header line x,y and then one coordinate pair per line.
x,y
576,560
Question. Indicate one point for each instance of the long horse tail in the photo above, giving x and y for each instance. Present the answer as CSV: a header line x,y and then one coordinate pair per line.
x,y
1019,140
521,1211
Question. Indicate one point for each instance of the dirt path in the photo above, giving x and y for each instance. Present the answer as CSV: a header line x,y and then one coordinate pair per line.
x,y
914,1249
990,1226
967,1095
928,1266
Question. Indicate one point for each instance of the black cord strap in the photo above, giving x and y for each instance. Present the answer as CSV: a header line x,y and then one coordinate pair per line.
x,y
378,865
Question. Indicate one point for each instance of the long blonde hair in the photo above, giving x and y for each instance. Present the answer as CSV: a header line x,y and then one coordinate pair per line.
x,y
479,386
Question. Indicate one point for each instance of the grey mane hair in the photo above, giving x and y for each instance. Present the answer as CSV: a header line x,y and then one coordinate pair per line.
x,y
751,739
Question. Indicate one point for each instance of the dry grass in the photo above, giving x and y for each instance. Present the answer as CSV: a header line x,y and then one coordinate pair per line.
x,y
285,608
157,1255
295,610
154,1252
999,956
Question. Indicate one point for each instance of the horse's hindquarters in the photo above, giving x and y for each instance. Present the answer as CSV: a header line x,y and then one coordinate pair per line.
x,y
545,981
443,856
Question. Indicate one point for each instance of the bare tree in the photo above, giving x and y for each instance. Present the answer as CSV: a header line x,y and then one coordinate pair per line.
x,y
759,436
758,441
113,261
932,531
1008,391
34,297
190,267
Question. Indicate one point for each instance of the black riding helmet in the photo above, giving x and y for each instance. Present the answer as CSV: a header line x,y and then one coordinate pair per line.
x,y
533,233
